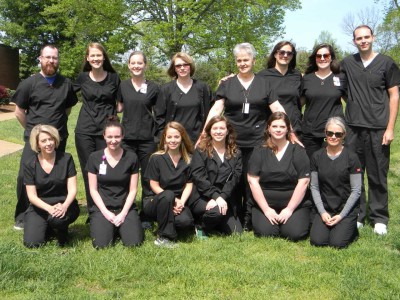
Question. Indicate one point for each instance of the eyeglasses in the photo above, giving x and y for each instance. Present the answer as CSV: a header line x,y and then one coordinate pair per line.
x,y
50,57
324,56
181,65
283,52
339,135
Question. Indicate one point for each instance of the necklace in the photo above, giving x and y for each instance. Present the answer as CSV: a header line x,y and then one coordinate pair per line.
x,y
322,78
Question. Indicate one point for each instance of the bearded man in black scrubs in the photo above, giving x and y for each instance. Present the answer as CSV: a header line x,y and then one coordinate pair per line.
x,y
44,98
371,112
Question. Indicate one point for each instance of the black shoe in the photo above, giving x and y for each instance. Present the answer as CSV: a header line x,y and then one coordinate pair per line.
x,y
19,225
247,226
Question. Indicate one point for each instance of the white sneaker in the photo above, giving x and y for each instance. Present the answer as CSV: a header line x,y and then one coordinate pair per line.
x,y
360,225
380,229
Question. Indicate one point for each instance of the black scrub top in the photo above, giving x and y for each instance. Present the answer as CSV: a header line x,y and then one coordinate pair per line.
x,y
334,177
113,186
278,179
287,89
368,100
138,119
323,100
190,109
249,127
162,169
99,102
51,187
45,103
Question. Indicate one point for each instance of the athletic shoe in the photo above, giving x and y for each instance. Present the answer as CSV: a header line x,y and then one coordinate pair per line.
x,y
200,234
19,225
164,242
380,229
360,225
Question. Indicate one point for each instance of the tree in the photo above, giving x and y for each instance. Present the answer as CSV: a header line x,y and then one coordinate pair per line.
x,y
325,37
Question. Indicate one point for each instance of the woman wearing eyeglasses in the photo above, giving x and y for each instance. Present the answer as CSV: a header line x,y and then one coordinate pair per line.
x,y
184,100
322,91
336,188
285,81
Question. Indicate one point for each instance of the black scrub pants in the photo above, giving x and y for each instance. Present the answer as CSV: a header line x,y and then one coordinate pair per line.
x,y
22,197
295,229
374,158
143,150
38,220
103,232
86,144
245,207
312,143
213,220
338,236
160,208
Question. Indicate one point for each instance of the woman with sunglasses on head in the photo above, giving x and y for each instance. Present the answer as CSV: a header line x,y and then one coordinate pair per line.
x,y
50,180
246,100
169,175
184,99
285,81
336,187
216,171
279,173
98,84
322,91
136,99
113,181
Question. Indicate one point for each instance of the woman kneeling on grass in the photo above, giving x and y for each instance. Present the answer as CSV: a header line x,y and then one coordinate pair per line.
x,y
50,179
113,181
170,181
216,171
278,175
336,188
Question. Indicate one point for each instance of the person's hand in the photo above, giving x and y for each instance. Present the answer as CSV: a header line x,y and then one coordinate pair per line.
x,y
284,215
226,78
60,210
334,220
326,218
178,207
388,137
119,219
223,206
211,204
271,216
294,139
109,216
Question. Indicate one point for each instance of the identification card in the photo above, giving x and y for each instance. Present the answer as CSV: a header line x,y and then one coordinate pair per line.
x,y
336,81
143,88
103,169
246,108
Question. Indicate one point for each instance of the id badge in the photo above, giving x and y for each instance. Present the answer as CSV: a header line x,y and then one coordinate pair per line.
x,y
143,88
103,169
246,108
336,81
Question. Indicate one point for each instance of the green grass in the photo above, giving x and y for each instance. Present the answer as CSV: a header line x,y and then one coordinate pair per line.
x,y
237,267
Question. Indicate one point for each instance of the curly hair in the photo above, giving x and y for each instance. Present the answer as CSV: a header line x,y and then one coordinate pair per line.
x,y
206,143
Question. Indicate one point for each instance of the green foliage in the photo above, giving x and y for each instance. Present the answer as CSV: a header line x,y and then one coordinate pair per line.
x,y
389,33
325,37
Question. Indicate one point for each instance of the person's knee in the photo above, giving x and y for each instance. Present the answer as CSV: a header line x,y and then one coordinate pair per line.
x,y
295,234
101,243
318,241
34,242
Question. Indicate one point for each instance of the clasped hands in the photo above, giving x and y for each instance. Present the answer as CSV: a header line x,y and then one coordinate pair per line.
x,y
281,218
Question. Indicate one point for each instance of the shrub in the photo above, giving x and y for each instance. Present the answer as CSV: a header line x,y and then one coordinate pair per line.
x,y
5,95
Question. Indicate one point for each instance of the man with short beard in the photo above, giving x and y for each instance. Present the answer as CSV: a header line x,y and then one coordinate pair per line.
x,y
44,98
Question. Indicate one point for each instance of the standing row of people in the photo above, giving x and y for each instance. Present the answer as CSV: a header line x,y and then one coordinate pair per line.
x,y
246,100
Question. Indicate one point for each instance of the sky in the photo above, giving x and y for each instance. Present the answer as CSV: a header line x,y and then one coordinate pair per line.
x,y
304,26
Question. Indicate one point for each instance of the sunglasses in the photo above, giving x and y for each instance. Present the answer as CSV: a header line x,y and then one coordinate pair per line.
x,y
336,134
182,65
324,56
283,52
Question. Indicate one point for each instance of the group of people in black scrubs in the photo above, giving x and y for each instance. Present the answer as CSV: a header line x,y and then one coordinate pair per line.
x,y
244,158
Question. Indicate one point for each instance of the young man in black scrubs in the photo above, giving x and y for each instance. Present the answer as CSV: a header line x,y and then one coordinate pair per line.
x,y
44,98
371,113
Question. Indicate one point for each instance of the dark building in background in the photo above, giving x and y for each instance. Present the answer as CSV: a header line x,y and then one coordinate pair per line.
x,y
9,67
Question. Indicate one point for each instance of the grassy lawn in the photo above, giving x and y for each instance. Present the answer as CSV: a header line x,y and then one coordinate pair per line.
x,y
237,267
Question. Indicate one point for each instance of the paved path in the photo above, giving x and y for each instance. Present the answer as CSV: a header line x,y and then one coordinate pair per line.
x,y
7,147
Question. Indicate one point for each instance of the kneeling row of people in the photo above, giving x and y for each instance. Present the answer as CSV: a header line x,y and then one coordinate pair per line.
x,y
197,187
